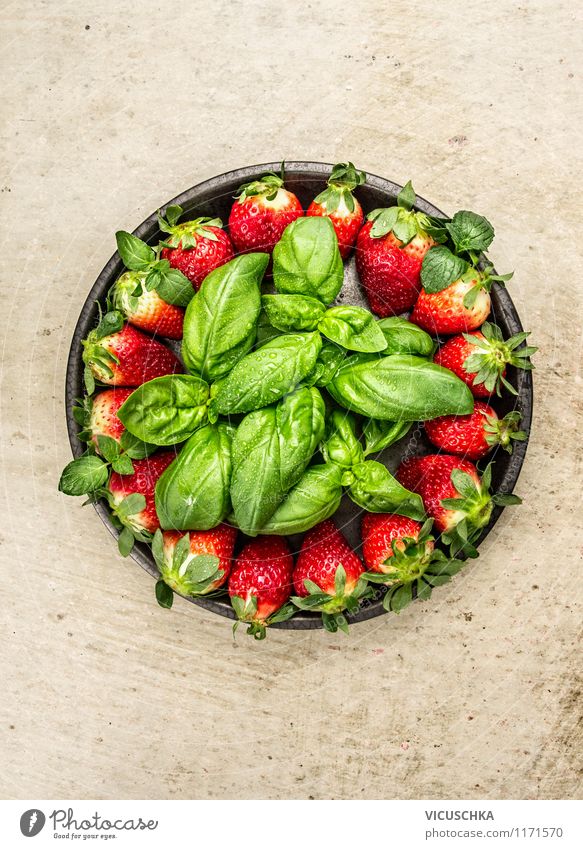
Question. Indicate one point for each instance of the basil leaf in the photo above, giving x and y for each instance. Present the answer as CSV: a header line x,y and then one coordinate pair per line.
x,y
376,490
404,337
134,447
307,261
135,254
221,319
470,232
166,410
341,445
122,465
109,448
266,375
314,498
175,288
329,361
265,330
399,388
193,492
84,475
293,312
271,450
440,268
354,328
380,435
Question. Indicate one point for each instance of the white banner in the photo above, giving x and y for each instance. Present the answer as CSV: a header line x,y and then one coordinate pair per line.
x,y
292,824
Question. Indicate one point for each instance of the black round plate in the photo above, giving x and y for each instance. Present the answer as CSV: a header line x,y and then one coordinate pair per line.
x,y
214,198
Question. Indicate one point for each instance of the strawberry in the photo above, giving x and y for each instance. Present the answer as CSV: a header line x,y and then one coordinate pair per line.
x,y
454,495
119,355
131,498
338,203
194,247
194,563
144,309
328,576
382,533
447,311
389,252
401,554
102,417
480,359
260,584
261,213
475,435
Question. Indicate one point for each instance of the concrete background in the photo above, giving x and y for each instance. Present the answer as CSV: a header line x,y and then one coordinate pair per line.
x,y
109,110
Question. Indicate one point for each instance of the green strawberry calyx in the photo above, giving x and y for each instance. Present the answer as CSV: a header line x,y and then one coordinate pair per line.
x,y
266,187
484,280
403,221
492,354
246,611
503,431
184,572
125,517
97,357
187,234
471,511
341,183
332,605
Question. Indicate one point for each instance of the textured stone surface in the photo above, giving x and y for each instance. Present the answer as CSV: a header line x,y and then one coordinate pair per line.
x,y
108,114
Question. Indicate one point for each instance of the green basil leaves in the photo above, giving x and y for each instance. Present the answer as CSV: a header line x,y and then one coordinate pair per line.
x,y
193,492
271,450
166,410
399,388
404,337
314,498
351,327
306,260
266,375
291,313
220,323
375,489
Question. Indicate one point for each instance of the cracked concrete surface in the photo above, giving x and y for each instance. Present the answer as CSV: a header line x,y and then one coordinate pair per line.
x,y
109,110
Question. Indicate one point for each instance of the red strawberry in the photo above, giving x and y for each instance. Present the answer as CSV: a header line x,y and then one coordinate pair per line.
x,y
194,563
147,310
194,247
120,355
381,532
475,435
454,496
389,253
447,311
338,203
327,576
480,359
132,496
260,584
261,213
400,554
102,417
